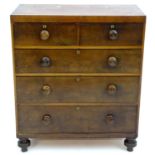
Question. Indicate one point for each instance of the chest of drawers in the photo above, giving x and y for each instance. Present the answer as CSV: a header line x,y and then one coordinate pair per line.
x,y
77,71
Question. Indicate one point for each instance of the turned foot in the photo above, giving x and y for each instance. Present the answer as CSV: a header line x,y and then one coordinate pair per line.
x,y
24,143
130,144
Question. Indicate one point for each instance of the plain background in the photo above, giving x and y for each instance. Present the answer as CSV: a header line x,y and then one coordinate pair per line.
x,y
8,141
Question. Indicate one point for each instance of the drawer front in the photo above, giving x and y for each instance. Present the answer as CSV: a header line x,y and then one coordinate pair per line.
x,y
77,89
75,119
78,61
111,34
38,34
68,34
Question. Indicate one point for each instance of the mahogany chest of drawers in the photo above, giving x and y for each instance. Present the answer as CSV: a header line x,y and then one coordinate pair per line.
x,y
77,71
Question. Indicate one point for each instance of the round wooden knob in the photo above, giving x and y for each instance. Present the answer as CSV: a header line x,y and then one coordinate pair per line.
x,y
45,62
113,34
44,35
112,89
46,89
109,118
46,119
112,61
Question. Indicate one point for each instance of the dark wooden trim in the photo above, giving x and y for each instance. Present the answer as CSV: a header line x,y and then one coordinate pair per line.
x,y
77,47
76,136
86,19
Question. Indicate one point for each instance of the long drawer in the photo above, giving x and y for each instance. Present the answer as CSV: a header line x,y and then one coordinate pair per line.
x,y
75,119
78,61
77,89
69,34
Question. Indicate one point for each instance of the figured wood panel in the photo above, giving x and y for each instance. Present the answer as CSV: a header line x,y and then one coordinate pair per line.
x,y
85,119
78,61
77,89
28,34
98,34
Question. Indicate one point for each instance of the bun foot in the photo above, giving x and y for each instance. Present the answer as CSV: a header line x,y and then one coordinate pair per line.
x,y
130,144
24,143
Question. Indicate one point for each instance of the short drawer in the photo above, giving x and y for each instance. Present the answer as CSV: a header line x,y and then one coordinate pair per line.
x,y
77,89
111,34
78,61
75,119
39,34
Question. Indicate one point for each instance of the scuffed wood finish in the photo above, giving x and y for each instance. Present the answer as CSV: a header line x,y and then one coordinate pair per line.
x,y
75,119
78,61
59,34
98,34
65,34
77,89
77,47
78,71
80,136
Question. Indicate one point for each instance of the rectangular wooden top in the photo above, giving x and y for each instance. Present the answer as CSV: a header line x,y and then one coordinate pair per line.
x,y
78,13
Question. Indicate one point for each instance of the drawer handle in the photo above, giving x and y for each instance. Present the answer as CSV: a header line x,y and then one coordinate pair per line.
x,y
46,89
112,89
44,35
109,118
112,61
45,62
113,33
46,119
